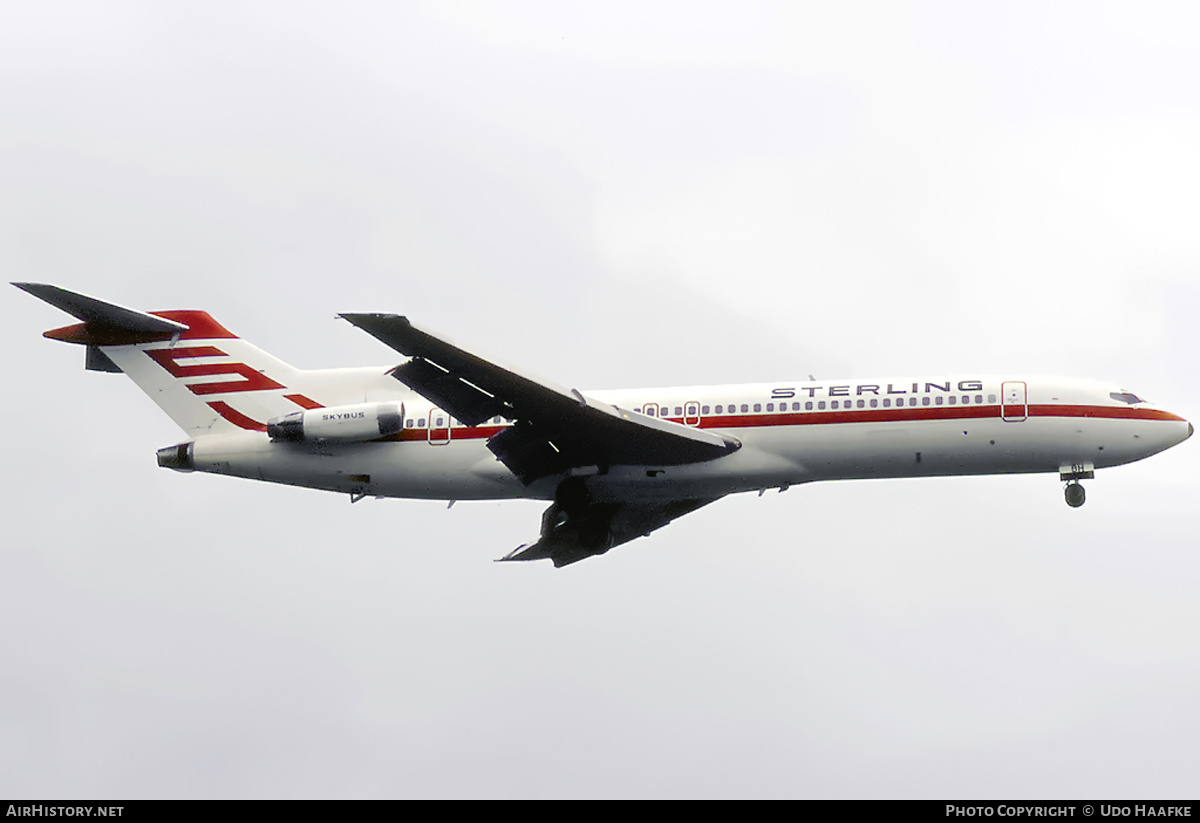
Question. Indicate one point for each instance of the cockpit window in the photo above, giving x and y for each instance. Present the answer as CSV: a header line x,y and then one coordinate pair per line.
x,y
1125,397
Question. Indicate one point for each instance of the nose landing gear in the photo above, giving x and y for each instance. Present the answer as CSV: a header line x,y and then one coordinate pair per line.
x,y
1071,475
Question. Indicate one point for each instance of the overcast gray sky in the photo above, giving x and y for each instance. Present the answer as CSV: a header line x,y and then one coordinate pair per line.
x,y
612,195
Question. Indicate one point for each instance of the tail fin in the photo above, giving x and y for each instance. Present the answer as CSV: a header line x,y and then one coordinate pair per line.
x,y
207,379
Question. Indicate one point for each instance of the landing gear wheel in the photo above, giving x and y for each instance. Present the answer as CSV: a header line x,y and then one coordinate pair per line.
x,y
1075,495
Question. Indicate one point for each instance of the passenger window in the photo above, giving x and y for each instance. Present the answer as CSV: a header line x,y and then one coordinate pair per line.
x,y
979,398
758,407
861,404
704,409
421,423
745,408
821,405
808,405
887,402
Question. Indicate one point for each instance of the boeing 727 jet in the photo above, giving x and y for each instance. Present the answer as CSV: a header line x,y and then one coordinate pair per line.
x,y
615,465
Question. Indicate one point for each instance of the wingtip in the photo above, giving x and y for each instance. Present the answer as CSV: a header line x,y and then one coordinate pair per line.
x,y
358,317
377,324
32,288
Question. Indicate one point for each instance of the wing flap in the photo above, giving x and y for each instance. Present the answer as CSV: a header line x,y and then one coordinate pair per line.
x,y
468,403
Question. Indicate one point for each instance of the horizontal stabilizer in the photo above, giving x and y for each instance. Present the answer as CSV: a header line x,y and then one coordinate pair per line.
x,y
104,324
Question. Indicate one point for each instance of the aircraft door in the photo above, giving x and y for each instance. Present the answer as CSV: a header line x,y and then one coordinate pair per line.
x,y
439,427
1013,401
691,414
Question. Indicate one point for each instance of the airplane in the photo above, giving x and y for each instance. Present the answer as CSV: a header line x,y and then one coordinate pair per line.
x,y
447,424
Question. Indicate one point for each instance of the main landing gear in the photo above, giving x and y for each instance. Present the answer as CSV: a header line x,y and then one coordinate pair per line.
x,y
1071,475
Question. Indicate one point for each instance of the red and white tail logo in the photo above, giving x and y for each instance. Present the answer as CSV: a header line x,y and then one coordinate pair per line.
x,y
208,379
201,374
251,380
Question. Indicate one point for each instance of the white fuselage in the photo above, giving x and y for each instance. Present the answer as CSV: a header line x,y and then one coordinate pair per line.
x,y
790,433
617,464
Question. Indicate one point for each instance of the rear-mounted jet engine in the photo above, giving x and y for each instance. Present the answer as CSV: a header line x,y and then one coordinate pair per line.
x,y
346,424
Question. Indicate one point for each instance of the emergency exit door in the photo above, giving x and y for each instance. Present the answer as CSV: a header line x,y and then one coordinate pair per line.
x,y
1013,401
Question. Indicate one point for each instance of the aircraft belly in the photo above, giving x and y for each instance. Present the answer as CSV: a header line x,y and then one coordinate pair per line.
x,y
780,456
748,469
953,447
770,457
455,471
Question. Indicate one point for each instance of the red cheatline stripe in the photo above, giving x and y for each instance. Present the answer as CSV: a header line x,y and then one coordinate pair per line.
x,y
928,413
1102,411
741,421
744,421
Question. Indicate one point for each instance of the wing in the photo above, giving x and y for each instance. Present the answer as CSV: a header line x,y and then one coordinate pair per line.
x,y
570,538
554,429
